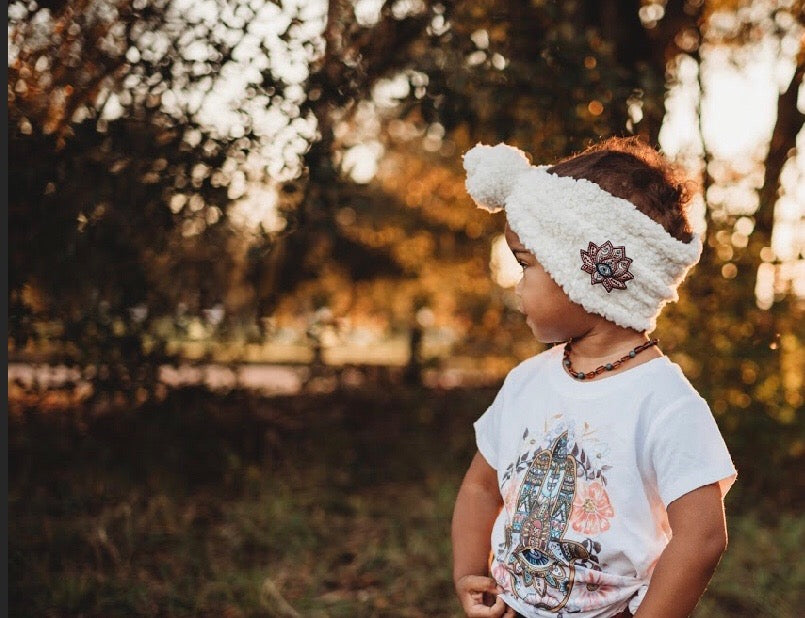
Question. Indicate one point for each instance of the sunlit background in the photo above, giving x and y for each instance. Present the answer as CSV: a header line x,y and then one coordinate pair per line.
x,y
231,220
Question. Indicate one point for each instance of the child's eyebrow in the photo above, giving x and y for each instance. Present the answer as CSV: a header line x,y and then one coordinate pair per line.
x,y
523,251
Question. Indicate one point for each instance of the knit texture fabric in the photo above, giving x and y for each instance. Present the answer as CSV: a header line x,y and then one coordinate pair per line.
x,y
607,256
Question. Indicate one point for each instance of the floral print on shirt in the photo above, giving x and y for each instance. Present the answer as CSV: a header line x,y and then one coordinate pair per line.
x,y
591,509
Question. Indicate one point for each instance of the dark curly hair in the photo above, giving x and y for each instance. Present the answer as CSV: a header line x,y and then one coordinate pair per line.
x,y
629,168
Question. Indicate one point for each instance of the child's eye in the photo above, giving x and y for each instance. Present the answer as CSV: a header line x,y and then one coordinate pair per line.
x,y
523,265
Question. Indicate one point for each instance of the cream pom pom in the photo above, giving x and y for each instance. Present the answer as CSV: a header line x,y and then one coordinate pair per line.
x,y
491,173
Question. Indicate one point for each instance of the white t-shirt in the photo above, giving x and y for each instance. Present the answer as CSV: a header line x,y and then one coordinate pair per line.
x,y
586,470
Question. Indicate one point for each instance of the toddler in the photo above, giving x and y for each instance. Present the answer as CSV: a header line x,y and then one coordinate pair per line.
x,y
597,489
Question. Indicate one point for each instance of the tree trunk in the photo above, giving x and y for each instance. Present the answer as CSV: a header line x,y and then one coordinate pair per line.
x,y
646,52
783,141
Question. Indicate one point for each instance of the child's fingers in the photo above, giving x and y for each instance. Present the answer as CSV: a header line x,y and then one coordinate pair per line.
x,y
479,610
479,583
471,589
509,613
482,611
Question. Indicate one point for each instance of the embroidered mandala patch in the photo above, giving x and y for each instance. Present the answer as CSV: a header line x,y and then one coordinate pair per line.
x,y
607,265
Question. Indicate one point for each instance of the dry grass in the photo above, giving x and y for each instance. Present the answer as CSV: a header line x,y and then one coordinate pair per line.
x,y
336,505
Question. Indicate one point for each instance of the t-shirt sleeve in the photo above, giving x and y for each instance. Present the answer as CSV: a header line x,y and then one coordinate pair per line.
x,y
687,451
487,430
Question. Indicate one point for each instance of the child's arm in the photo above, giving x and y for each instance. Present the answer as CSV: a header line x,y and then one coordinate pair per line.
x,y
477,505
689,559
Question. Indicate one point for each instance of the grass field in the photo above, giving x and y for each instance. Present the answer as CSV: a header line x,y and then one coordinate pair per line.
x,y
330,505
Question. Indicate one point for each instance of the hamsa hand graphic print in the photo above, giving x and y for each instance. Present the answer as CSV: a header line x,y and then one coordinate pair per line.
x,y
549,492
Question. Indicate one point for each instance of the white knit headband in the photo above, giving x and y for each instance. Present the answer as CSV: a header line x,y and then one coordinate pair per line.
x,y
606,255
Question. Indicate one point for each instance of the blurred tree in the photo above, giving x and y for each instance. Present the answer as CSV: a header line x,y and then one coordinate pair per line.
x,y
431,82
108,98
142,131
116,202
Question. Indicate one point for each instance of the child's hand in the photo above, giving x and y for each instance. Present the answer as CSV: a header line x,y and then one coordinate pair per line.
x,y
473,592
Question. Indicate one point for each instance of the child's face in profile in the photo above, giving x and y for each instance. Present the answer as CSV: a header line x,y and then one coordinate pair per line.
x,y
550,314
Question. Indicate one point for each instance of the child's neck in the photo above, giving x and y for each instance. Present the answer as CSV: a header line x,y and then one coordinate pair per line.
x,y
603,343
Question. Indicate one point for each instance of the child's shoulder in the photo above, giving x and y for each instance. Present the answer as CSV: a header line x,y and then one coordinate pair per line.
x,y
669,384
532,366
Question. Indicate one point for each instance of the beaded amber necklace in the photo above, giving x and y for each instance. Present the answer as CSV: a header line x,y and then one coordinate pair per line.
x,y
580,375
